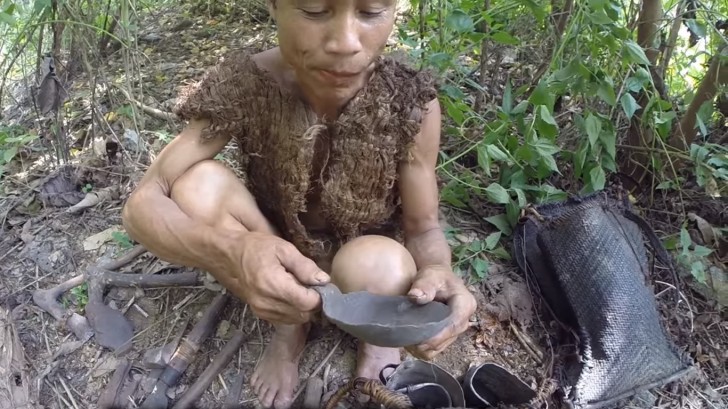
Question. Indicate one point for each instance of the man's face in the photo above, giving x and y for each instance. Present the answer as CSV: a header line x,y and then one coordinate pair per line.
x,y
332,43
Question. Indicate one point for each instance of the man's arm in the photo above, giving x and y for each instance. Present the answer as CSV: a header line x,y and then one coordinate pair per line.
x,y
151,218
425,239
420,198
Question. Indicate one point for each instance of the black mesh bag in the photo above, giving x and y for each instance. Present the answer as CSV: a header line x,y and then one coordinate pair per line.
x,y
589,262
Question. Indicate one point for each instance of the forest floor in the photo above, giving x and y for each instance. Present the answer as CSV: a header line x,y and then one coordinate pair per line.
x,y
44,245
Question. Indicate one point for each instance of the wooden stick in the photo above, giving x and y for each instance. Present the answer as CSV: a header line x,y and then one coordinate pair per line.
x,y
211,372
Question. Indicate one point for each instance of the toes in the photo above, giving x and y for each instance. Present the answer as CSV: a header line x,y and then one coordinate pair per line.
x,y
283,402
267,399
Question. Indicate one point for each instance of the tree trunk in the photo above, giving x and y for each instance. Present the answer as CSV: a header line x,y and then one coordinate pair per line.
x,y
716,76
635,163
480,98
647,28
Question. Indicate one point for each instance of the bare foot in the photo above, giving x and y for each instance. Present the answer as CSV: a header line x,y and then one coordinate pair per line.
x,y
276,375
371,359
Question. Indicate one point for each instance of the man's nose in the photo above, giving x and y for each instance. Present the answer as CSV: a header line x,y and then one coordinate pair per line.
x,y
343,36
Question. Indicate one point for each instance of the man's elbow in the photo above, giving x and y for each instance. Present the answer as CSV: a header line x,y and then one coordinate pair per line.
x,y
130,212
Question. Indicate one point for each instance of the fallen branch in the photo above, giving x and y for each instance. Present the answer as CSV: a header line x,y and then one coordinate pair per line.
x,y
211,372
93,198
157,113
98,278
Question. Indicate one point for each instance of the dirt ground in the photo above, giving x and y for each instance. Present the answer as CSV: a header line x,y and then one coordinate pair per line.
x,y
42,245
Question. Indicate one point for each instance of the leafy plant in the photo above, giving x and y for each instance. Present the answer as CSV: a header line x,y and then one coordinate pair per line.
x,y
11,140
122,239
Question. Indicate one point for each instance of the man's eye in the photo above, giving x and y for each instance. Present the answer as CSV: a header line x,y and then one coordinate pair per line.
x,y
367,13
314,13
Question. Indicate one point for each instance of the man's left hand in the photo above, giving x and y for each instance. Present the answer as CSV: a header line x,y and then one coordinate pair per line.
x,y
441,284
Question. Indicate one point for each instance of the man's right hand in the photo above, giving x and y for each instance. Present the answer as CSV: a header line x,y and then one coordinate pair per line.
x,y
273,277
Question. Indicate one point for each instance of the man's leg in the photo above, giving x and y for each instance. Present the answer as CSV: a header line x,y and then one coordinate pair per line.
x,y
379,265
211,193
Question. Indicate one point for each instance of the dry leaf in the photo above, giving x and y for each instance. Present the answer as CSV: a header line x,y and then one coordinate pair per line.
x,y
706,230
97,240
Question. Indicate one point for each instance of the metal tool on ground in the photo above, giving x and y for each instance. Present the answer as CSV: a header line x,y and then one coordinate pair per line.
x,y
185,353
387,321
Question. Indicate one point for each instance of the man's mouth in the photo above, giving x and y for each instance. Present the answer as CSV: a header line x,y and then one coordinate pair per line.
x,y
339,76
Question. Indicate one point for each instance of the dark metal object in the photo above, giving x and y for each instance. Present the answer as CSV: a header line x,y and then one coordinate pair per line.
x,y
587,258
411,373
490,384
387,321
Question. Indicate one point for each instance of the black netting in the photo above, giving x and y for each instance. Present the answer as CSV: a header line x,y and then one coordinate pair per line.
x,y
590,263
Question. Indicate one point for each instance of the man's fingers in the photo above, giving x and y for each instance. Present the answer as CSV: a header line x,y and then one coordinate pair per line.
x,y
302,267
301,298
424,289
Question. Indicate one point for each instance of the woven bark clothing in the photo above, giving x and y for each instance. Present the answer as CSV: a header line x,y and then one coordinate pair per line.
x,y
589,260
276,133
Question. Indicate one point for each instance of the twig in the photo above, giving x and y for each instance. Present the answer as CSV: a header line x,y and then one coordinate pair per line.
x,y
11,250
167,116
318,368
68,391
530,347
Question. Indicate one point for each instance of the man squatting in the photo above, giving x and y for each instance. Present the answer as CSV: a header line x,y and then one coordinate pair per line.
x,y
338,146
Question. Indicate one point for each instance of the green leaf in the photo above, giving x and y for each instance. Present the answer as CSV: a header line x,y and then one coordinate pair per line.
x,y
550,163
507,105
635,53
9,154
698,271
459,21
546,115
629,105
600,17
497,154
480,266
484,159
580,159
492,240
501,222
544,147
521,195
606,93
685,240
593,129
7,18
609,141
597,178
520,108
504,38
697,28
702,251
541,95
40,5
497,194
455,113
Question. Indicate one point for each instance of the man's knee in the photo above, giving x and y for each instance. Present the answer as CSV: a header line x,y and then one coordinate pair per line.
x,y
372,263
209,191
